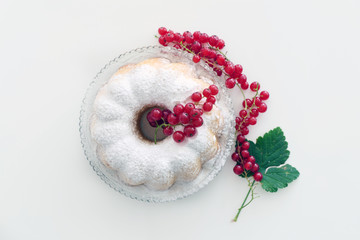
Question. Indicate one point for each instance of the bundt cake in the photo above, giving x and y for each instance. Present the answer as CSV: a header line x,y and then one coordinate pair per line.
x,y
121,146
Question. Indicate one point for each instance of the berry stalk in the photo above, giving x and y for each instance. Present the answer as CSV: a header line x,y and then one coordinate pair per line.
x,y
243,205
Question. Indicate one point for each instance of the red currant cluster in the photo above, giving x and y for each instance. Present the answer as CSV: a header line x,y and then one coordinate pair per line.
x,y
208,48
188,116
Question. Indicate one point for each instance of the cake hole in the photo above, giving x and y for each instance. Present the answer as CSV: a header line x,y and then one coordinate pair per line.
x,y
146,131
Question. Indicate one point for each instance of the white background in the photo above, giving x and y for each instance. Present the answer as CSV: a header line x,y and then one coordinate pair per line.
x,y
305,53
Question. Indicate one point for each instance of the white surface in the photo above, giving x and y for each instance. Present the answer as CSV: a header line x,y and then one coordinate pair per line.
x,y
306,53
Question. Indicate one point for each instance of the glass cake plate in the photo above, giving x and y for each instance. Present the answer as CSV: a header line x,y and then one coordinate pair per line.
x,y
180,189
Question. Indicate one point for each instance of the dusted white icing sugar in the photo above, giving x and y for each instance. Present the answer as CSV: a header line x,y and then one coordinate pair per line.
x,y
157,166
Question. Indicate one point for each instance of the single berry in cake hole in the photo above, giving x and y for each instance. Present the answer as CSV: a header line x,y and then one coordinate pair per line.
x,y
156,114
197,122
189,130
165,114
178,136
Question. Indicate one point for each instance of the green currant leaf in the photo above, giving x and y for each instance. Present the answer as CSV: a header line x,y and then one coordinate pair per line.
x,y
270,152
271,149
278,177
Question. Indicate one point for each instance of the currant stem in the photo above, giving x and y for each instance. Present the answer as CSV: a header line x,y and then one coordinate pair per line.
x,y
243,204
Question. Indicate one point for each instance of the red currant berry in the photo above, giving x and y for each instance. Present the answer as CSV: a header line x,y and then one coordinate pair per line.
x,y
195,113
197,35
169,37
238,169
201,111
245,85
218,71
213,40
172,119
207,92
262,108
189,107
243,113
211,99
184,118
229,68
238,120
230,83
196,47
245,145
156,114
189,38
162,40
178,38
168,130
235,156
220,59
242,79
254,112
165,114
252,120
197,122
207,106
251,159
245,153
220,44
255,167
162,31
178,109
203,38
196,59
196,96
189,130
254,86
205,52
214,89
258,176
240,138
237,70
244,131
212,54
178,136
264,95
248,103
247,165
257,101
